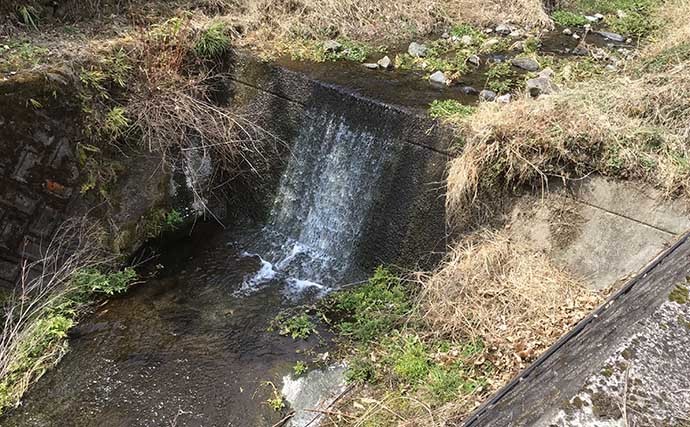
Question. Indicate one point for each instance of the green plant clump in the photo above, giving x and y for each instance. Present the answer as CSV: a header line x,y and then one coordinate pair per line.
x,y
449,108
297,327
350,50
568,19
374,308
502,78
43,342
392,350
116,122
300,368
679,294
92,280
213,41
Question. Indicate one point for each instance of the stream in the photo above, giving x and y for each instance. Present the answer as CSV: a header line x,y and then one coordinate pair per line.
x,y
191,346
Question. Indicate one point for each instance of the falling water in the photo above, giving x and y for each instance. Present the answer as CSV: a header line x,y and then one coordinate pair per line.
x,y
322,204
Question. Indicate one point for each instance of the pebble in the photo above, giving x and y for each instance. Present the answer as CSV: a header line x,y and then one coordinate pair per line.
x,y
487,95
371,66
576,36
503,99
503,29
438,78
466,40
528,64
385,63
474,60
567,31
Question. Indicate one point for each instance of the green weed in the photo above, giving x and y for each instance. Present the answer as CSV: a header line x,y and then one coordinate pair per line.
x,y
300,368
44,340
277,402
116,122
213,42
449,108
173,219
351,51
568,19
502,78
93,281
297,327
411,360
373,308
468,30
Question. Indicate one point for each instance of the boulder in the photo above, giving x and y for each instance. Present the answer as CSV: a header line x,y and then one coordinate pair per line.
x,y
469,90
417,50
332,46
385,63
542,84
504,99
503,29
487,95
438,78
527,64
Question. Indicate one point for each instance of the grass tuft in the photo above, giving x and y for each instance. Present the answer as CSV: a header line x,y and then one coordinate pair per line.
x,y
213,41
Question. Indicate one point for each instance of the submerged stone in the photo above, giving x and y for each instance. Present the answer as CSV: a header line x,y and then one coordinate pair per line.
x,y
611,36
469,90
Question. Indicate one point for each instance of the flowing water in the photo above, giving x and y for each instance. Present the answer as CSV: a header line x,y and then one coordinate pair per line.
x,y
190,346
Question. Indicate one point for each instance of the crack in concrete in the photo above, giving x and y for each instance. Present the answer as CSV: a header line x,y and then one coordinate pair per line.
x,y
620,215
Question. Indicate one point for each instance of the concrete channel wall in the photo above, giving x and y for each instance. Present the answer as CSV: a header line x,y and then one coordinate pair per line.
x,y
40,128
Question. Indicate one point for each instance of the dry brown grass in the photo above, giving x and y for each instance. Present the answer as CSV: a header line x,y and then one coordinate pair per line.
x,y
636,125
376,21
500,291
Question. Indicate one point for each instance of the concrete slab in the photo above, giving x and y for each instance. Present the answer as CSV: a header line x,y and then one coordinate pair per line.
x,y
603,230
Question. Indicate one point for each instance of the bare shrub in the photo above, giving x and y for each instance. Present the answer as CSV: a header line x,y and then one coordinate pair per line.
x,y
29,340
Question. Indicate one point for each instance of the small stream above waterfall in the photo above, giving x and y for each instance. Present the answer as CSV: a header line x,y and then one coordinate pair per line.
x,y
191,346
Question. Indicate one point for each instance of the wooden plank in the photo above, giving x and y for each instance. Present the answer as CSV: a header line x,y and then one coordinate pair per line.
x,y
534,397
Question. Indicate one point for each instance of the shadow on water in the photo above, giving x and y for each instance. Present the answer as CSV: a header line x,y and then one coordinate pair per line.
x,y
181,349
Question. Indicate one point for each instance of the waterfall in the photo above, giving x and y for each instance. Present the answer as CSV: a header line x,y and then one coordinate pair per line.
x,y
322,203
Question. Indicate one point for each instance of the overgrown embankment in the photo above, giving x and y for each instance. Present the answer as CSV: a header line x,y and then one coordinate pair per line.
x,y
158,138
446,340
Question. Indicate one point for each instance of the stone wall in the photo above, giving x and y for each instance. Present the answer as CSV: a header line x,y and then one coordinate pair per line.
x,y
38,171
